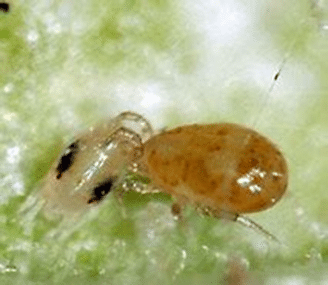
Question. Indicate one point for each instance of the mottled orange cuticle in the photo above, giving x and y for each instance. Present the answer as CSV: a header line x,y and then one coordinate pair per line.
x,y
223,166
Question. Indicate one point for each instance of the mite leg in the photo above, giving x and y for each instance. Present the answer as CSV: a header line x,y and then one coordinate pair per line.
x,y
118,195
252,225
176,211
131,146
178,206
221,214
126,119
128,140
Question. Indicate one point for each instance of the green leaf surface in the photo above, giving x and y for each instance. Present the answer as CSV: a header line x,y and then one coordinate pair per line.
x,y
66,65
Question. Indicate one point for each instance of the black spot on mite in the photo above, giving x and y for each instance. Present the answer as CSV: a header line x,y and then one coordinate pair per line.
x,y
67,159
275,78
102,190
4,7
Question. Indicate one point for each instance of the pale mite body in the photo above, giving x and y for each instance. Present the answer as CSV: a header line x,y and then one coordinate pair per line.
x,y
223,169
93,164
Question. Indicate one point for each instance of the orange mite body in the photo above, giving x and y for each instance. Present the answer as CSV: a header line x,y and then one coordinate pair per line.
x,y
224,166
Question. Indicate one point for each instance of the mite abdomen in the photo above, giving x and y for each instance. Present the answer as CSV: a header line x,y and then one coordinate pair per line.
x,y
222,166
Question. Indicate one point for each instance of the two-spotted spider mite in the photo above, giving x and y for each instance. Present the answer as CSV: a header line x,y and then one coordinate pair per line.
x,y
225,170
94,163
